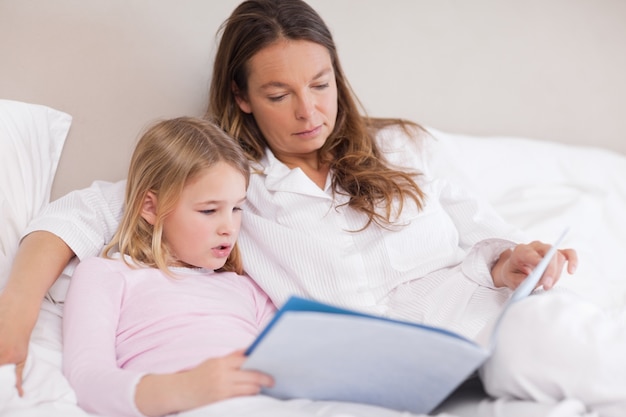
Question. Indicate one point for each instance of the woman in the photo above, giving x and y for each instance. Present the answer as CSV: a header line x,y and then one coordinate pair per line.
x,y
340,207
328,180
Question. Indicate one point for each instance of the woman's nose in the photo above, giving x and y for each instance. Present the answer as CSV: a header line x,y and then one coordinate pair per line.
x,y
305,106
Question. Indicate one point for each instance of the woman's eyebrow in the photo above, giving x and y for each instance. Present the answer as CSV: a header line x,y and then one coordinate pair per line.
x,y
322,73
280,84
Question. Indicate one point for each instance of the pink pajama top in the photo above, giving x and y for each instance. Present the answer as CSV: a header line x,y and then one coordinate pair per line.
x,y
121,323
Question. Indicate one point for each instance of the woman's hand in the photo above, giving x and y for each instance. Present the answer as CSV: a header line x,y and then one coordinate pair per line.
x,y
515,264
14,337
211,381
26,287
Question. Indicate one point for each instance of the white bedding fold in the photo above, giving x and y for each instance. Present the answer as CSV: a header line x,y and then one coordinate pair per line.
x,y
518,408
49,395
46,391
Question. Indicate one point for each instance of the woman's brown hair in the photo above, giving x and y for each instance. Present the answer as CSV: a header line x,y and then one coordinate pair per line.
x,y
358,167
169,155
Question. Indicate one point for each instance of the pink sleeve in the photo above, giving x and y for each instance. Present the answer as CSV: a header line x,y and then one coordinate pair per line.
x,y
90,320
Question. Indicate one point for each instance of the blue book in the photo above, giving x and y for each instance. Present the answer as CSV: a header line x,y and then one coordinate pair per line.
x,y
322,352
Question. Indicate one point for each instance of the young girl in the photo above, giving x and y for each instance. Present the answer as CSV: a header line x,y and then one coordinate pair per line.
x,y
157,324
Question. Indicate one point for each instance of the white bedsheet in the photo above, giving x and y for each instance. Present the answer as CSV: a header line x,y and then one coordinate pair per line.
x,y
544,187
538,185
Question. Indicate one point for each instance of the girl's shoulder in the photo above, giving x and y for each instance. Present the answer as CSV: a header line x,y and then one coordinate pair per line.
x,y
97,265
101,262
99,274
244,282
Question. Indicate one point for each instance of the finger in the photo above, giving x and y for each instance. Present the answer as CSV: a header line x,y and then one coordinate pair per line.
x,y
572,260
555,268
255,378
246,389
235,360
19,371
553,272
535,253
523,259
238,352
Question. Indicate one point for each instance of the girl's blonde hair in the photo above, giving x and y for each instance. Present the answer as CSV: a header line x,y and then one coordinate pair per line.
x,y
169,155
359,169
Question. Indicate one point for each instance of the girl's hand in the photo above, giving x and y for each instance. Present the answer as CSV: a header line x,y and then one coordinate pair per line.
x,y
221,378
211,381
514,265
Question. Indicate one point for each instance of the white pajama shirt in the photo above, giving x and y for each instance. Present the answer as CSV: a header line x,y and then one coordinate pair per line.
x,y
432,267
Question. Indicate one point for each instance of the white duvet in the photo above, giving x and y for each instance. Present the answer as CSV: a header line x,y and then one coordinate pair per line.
x,y
541,186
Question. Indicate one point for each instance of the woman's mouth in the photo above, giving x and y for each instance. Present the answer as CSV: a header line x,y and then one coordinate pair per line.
x,y
311,133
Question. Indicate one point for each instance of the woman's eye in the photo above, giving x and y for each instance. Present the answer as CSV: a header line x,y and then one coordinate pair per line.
x,y
237,209
277,98
210,211
321,86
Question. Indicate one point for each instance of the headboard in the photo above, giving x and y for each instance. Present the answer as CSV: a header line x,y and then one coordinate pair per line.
x,y
544,69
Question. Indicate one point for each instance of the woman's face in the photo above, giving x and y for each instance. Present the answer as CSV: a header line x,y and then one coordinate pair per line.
x,y
292,94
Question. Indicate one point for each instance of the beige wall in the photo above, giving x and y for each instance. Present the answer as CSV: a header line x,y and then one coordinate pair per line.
x,y
550,69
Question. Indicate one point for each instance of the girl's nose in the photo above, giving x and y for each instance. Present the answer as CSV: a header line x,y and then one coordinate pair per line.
x,y
228,225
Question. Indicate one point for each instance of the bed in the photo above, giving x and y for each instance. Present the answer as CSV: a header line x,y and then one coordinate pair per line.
x,y
75,96
542,187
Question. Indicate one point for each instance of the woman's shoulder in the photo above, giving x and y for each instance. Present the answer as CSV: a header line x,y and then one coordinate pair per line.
x,y
405,145
393,134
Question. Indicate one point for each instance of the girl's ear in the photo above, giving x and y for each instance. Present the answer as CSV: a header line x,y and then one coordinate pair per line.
x,y
243,104
149,207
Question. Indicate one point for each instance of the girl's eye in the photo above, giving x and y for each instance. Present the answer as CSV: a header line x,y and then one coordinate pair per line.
x,y
210,211
237,209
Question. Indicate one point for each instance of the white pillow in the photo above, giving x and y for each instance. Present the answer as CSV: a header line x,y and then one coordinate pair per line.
x,y
31,140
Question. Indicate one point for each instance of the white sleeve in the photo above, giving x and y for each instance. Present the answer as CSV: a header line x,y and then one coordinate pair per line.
x,y
483,234
474,217
85,219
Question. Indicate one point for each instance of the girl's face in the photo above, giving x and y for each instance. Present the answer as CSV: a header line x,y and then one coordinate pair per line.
x,y
204,225
292,94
